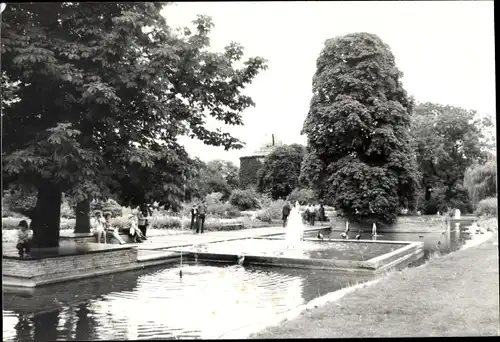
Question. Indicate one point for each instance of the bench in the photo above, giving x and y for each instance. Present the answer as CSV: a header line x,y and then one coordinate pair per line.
x,y
92,237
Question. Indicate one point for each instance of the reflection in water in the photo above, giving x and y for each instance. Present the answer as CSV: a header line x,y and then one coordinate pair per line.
x,y
45,326
207,302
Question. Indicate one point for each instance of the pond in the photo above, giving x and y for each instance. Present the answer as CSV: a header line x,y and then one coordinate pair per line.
x,y
441,242
156,303
303,250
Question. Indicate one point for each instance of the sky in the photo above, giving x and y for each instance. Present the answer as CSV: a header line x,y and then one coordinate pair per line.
x,y
445,50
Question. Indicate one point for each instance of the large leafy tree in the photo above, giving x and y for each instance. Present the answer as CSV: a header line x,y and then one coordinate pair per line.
x,y
480,180
447,141
227,170
105,89
280,172
206,178
358,130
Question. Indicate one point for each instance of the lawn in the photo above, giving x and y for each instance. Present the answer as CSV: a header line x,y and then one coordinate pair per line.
x,y
452,295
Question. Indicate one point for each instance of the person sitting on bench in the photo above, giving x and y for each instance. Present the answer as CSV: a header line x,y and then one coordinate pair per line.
x,y
134,230
23,240
98,225
113,231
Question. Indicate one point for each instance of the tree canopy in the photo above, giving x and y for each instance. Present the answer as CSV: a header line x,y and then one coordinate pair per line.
x,y
480,180
447,140
358,130
280,172
105,89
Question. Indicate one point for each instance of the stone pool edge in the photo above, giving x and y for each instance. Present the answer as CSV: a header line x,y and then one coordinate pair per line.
x,y
245,331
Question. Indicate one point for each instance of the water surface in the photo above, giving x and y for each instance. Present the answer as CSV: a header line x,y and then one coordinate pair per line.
x,y
156,303
356,251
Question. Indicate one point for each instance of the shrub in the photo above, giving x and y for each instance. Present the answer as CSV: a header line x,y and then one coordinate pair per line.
x,y
303,196
67,224
443,199
245,199
120,222
18,201
9,223
225,210
214,198
67,211
110,206
276,209
264,215
487,207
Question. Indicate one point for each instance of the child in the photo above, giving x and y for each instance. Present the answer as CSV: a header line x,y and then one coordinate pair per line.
x,y
109,228
98,224
23,240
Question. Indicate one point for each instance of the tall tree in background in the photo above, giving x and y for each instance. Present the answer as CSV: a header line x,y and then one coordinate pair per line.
x,y
106,89
227,170
358,129
214,176
447,141
281,170
480,180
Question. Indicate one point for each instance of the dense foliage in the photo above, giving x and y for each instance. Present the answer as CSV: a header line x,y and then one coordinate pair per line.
x,y
488,207
249,168
247,199
280,172
105,89
481,181
447,140
303,196
358,130
203,179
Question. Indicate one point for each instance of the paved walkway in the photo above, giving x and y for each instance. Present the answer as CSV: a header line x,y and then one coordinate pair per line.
x,y
168,241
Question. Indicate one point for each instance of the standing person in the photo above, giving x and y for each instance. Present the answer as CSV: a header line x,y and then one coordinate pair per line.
x,y
312,214
202,211
194,214
23,240
307,214
142,221
113,231
286,212
321,214
98,225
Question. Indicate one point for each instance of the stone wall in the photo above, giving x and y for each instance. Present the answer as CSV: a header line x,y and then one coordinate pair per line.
x,y
64,264
402,224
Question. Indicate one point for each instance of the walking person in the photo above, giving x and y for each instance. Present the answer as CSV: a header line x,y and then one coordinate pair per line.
x,y
286,212
202,211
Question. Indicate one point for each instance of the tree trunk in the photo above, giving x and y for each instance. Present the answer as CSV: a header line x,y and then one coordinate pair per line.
x,y
82,212
47,217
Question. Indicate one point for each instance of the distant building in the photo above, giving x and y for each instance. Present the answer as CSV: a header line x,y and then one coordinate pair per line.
x,y
250,165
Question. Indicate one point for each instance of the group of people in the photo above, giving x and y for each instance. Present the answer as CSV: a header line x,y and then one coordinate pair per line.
x,y
139,223
198,215
311,213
